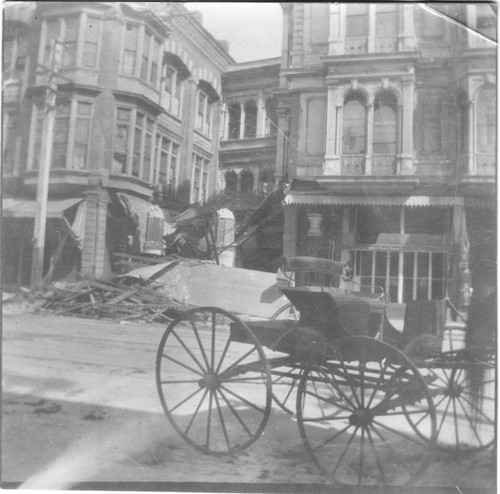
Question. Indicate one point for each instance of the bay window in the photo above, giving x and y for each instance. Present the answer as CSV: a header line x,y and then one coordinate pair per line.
x,y
91,41
71,135
61,129
82,132
149,57
199,187
134,144
143,141
122,133
167,153
70,30
70,40
130,49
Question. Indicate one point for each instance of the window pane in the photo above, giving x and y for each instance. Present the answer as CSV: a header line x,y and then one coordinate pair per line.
x,y
356,20
59,156
79,156
353,127
136,161
131,38
72,27
384,125
486,121
84,109
69,54
51,34
129,62
154,72
123,115
89,54
92,29
386,23
82,130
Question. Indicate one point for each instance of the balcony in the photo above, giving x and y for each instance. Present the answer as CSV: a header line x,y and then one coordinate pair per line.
x,y
353,164
385,44
485,164
380,165
384,164
356,45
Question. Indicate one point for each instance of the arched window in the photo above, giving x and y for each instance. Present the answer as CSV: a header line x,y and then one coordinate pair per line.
x,y
353,125
486,105
234,112
384,124
231,180
247,180
250,119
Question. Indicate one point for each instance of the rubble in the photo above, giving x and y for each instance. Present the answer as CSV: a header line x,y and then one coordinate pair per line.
x,y
117,298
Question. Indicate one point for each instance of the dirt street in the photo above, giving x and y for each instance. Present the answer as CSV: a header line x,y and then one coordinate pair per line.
x,y
80,405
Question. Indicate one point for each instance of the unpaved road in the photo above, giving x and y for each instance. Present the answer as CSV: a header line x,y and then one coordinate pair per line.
x,y
80,405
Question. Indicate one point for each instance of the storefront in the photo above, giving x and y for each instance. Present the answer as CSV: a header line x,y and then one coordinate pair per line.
x,y
409,246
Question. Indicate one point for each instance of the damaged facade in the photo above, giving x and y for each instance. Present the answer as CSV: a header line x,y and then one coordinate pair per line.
x,y
136,129
387,114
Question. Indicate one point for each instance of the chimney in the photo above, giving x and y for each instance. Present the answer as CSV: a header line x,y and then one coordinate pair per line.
x,y
198,16
224,44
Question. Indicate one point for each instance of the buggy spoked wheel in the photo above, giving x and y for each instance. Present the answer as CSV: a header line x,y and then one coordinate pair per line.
x,y
287,312
351,412
463,389
285,379
214,381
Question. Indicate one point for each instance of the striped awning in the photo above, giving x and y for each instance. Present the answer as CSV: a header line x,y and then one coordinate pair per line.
x,y
408,201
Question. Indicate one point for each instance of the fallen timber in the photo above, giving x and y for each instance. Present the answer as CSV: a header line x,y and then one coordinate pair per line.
x,y
115,299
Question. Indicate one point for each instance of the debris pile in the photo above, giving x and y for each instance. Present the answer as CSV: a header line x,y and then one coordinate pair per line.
x,y
119,298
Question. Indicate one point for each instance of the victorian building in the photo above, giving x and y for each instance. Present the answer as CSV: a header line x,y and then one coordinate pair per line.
x,y
137,125
387,132
247,156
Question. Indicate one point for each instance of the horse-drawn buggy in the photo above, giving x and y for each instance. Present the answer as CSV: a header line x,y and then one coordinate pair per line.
x,y
372,403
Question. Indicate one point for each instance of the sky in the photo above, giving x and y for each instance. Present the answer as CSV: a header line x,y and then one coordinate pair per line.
x,y
253,30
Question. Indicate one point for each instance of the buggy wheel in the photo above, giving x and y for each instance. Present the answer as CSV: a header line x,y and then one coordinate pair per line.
x,y
463,390
214,388
286,380
288,311
286,377
351,417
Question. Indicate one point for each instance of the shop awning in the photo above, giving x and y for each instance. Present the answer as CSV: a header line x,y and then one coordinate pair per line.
x,y
18,208
409,201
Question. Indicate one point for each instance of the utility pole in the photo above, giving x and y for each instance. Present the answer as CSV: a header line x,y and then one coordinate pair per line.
x,y
42,191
